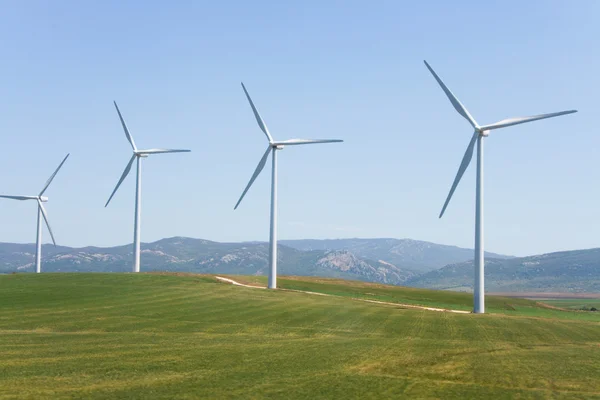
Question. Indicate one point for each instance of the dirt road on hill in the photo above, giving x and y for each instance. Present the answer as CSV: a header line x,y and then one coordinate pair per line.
x,y
400,305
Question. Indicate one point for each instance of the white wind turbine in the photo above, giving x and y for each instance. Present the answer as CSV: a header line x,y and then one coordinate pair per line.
x,y
137,155
274,146
481,131
40,198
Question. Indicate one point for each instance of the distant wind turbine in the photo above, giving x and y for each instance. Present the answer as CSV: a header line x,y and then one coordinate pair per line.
x,y
40,198
274,146
137,155
478,135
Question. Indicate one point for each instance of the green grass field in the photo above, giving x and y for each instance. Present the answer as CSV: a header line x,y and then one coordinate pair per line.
x,y
574,304
182,337
431,298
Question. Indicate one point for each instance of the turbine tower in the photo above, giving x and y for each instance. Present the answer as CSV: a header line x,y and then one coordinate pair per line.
x,y
274,146
481,131
137,156
40,198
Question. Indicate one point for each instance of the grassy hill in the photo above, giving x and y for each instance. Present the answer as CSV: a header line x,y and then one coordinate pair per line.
x,y
449,300
146,336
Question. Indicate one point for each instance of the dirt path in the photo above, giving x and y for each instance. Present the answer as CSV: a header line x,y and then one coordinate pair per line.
x,y
237,283
353,298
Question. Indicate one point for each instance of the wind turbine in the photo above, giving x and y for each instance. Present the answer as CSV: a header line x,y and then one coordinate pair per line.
x,y
481,131
274,146
137,155
40,198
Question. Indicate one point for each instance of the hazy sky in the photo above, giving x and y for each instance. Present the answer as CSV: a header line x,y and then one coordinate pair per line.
x,y
315,69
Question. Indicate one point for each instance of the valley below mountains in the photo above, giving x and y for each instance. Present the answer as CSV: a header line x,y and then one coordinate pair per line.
x,y
404,262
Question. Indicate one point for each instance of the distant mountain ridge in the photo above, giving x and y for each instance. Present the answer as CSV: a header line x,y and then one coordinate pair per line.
x,y
417,255
379,260
575,271
201,256
394,261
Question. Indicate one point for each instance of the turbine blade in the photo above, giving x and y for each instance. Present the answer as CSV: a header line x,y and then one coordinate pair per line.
x,y
259,168
159,151
49,181
461,170
41,206
455,102
521,120
19,197
125,172
260,121
129,137
292,142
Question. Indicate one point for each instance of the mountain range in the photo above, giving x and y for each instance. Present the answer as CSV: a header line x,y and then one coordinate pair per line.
x,y
204,256
393,261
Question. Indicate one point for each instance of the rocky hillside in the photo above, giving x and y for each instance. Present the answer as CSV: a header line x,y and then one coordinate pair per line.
x,y
410,254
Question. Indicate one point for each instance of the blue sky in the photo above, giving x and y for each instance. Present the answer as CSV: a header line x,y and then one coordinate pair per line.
x,y
315,69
